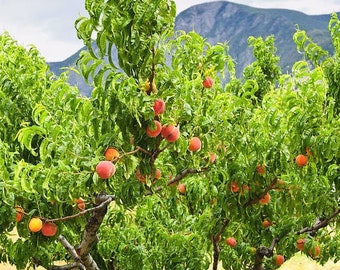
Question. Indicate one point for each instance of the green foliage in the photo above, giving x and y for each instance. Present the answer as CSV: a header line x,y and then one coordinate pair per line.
x,y
266,119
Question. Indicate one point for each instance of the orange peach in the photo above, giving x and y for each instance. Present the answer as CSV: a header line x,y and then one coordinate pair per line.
x,y
194,144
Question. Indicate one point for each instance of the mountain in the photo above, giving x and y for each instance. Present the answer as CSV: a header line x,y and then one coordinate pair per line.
x,y
222,21
225,21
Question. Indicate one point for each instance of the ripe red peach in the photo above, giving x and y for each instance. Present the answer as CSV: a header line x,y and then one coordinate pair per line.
x,y
181,188
159,106
170,133
49,229
231,241
105,169
208,82
194,144
155,130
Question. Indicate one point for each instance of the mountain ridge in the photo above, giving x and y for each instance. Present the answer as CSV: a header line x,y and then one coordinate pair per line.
x,y
222,21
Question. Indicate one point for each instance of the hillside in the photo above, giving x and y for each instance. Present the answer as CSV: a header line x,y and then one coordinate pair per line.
x,y
222,21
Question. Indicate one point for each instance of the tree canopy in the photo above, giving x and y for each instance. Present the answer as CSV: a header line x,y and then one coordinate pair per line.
x,y
260,179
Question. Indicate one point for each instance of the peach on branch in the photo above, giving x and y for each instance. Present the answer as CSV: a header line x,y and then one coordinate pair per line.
x,y
80,203
265,199
158,174
35,224
231,241
154,130
140,176
181,188
261,169
234,187
212,157
49,229
159,106
300,243
19,213
279,259
170,133
194,144
111,153
208,82
301,160
105,169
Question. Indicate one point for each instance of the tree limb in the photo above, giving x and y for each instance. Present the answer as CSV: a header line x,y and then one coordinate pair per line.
x,y
215,239
90,232
180,176
69,248
103,204
257,198
264,251
319,225
69,266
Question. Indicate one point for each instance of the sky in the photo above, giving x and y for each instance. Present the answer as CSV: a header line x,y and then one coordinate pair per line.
x,y
49,24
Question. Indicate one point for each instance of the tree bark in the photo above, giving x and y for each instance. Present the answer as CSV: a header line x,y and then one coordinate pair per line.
x,y
90,233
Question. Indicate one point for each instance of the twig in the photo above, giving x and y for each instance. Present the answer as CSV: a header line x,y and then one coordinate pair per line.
x,y
103,204
181,175
257,198
320,224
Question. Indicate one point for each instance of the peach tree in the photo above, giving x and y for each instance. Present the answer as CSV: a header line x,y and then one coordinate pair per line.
x,y
173,162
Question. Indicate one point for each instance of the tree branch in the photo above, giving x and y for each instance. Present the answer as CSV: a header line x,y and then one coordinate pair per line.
x,y
181,175
185,172
69,248
90,232
257,198
264,251
103,204
69,266
319,225
215,239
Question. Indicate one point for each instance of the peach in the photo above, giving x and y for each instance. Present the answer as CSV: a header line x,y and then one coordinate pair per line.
x,y
140,176
111,153
35,224
154,130
159,106
231,241
212,158
181,188
279,260
261,169
49,229
234,187
105,169
194,144
19,213
266,223
265,199
158,174
301,160
170,133
300,243
80,204
208,82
